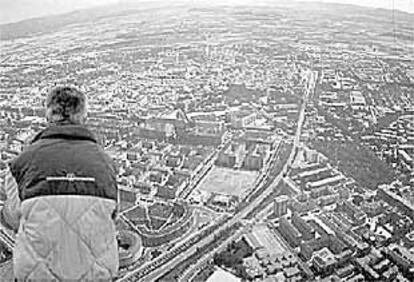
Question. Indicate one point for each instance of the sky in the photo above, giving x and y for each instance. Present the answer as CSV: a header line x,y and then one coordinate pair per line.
x,y
17,10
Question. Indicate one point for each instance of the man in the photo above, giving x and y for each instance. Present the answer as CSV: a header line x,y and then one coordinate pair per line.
x,y
61,195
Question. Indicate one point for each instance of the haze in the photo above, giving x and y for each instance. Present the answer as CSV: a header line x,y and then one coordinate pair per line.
x,y
17,10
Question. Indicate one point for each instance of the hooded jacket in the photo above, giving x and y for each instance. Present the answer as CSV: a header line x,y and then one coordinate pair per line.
x,y
68,194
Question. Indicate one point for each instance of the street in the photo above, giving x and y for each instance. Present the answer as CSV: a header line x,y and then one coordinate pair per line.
x,y
174,261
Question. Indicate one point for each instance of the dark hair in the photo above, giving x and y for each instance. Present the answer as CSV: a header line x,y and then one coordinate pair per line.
x,y
65,103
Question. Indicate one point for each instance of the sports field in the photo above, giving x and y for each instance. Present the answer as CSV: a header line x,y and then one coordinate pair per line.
x,y
228,181
263,237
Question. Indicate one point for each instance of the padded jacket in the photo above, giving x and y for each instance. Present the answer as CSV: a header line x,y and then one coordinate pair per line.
x,y
68,194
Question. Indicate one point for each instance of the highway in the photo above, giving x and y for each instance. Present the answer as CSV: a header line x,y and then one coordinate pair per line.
x,y
182,255
189,273
163,267
6,238
193,269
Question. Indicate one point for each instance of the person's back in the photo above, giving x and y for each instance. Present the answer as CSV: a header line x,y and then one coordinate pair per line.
x,y
67,188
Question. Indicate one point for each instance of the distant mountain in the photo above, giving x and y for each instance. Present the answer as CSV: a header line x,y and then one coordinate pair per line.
x,y
35,26
53,23
18,10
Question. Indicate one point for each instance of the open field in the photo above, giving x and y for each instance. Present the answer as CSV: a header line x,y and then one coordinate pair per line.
x,y
228,181
262,236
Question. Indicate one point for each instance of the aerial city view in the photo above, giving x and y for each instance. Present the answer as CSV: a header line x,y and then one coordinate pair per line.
x,y
253,142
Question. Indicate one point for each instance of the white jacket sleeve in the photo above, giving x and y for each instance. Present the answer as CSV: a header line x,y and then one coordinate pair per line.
x,y
10,214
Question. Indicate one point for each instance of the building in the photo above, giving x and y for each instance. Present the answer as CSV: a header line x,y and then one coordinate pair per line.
x,y
280,205
253,162
289,232
403,258
129,246
152,239
395,200
222,200
158,176
143,187
345,271
256,157
334,180
324,261
253,268
232,155
390,274
358,217
173,161
166,192
310,156
226,159
291,273
337,247
366,269
303,227
126,194
242,119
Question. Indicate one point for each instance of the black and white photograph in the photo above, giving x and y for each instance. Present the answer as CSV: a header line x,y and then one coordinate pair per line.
x,y
207,140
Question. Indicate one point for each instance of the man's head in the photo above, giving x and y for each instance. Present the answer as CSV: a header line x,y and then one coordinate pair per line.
x,y
66,103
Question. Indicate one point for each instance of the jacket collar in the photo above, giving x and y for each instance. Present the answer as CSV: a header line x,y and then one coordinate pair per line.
x,y
67,131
